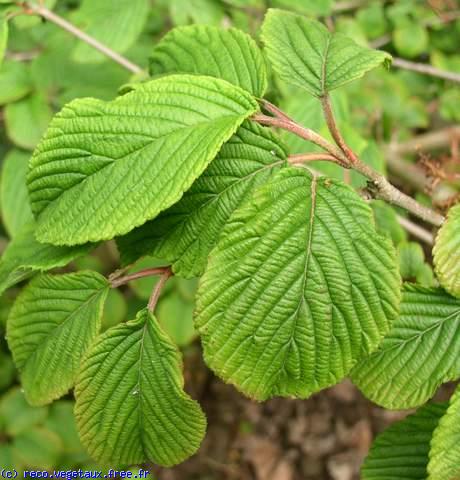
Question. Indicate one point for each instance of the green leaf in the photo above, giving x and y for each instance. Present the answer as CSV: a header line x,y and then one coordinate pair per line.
x,y
314,8
387,221
446,252
445,444
25,256
401,451
3,36
50,327
26,120
412,264
115,309
206,50
131,406
186,233
14,82
17,416
421,351
61,420
104,168
16,210
37,448
411,39
175,312
304,53
118,28
299,287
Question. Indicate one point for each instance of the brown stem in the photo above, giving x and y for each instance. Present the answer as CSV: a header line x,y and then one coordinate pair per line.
x,y
42,11
311,157
379,186
148,272
426,69
335,132
274,110
416,230
158,288
304,133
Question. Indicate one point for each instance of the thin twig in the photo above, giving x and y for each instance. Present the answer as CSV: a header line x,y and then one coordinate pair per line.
x,y
416,230
311,157
274,110
378,186
333,128
426,69
42,11
148,272
158,288
304,133
427,141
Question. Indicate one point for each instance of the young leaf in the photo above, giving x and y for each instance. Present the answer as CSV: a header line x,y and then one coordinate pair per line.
x,y
51,325
25,256
304,53
104,168
117,27
26,120
401,451
16,210
297,289
14,81
421,351
446,253
186,233
205,50
445,444
131,406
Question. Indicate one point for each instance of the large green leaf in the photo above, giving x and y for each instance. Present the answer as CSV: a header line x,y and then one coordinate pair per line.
x,y
446,252
445,445
117,26
14,197
131,406
25,256
401,451
206,50
51,325
185,234
104,168
304,53
421,351
299,287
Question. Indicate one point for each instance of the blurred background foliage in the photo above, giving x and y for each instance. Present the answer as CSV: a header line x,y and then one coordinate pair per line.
x,y
44,67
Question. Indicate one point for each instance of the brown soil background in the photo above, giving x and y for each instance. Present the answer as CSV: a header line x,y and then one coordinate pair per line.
x,y
325,437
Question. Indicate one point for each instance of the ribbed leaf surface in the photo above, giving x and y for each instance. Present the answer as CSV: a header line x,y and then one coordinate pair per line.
x,y
446,253
421,351
298,288
24,256
401,451
206,50
131,407
104,168
445,445
50,327
185,234
304,53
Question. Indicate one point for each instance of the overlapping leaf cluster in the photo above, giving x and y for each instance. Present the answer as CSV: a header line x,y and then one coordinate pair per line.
x,y
298,288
